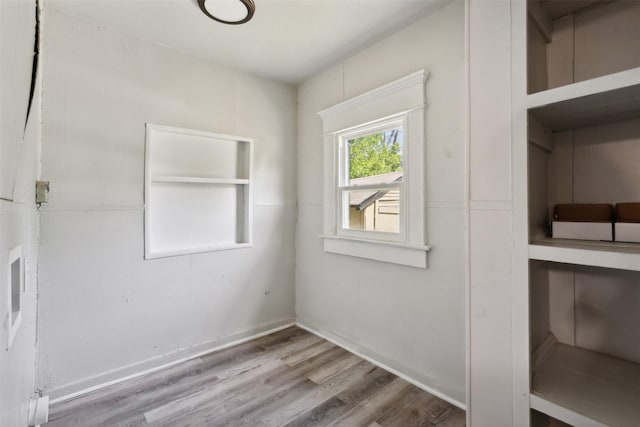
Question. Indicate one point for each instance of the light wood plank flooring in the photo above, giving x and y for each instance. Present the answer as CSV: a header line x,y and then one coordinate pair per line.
x,y
289,378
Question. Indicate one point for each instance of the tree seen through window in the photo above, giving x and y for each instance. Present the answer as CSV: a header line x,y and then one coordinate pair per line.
x,y
375,154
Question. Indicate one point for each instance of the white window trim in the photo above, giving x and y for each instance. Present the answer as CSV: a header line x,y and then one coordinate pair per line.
x,y
403,99
343,137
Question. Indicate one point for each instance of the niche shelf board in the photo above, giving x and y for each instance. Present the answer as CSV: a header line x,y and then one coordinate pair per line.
x,y
197,180
623,256
585,388
605,99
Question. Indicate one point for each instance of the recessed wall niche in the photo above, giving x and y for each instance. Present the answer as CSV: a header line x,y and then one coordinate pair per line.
x,y
197,191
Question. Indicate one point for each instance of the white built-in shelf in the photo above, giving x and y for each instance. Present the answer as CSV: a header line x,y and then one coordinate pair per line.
x,y
197,180
624,256
604,99
585,388
198,192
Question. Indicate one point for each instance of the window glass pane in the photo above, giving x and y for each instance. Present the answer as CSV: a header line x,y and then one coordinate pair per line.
x,y
372,210
376,158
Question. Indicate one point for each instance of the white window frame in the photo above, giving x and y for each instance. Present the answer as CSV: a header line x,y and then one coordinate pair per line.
x,y
343,178
401,101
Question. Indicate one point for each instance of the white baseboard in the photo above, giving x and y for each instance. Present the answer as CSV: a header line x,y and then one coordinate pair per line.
x,y
106,379
88,385
404,373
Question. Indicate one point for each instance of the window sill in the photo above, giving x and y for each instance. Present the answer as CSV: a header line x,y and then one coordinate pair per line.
x,y
392,252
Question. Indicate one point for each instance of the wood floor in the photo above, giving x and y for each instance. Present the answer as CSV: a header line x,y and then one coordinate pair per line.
x,y
289,378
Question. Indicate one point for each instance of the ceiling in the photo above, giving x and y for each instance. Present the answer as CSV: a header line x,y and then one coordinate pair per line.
x,y
287,40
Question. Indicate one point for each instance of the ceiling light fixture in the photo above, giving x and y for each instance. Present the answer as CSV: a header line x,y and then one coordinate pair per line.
x,y
231,12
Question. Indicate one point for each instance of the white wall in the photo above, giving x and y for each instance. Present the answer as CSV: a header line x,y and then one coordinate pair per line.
x,y
104,311
19,169
411,319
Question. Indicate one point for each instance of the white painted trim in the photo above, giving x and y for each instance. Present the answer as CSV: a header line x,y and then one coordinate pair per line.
x,y
154,364
352,348
562,413
373,123
424,248
413,79
378,250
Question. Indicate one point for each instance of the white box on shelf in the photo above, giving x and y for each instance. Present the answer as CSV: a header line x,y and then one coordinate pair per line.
x,y
627,232
582,230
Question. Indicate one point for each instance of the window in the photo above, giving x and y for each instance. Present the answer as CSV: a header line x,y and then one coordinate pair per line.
x,y
374,174
370,181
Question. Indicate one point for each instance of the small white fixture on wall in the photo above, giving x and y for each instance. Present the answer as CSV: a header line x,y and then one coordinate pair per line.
x,y
15,286
198,193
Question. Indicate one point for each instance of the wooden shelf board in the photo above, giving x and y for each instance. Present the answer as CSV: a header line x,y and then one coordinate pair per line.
x,y
585,388
623,256
601,100
197,180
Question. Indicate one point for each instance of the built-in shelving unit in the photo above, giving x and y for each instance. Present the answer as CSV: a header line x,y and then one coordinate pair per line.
x,y
583,114
197,192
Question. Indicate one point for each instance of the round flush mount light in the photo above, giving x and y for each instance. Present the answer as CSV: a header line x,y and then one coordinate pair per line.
x,y
228,11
